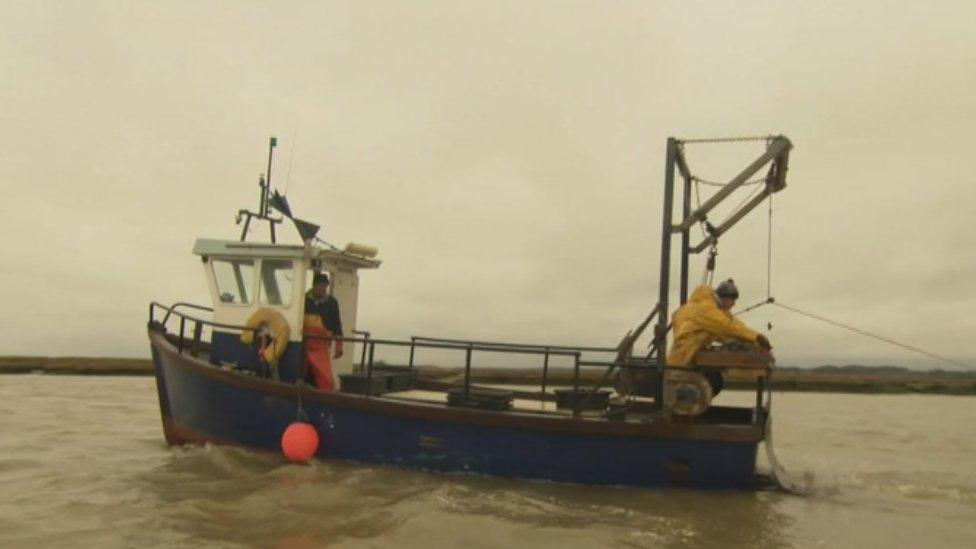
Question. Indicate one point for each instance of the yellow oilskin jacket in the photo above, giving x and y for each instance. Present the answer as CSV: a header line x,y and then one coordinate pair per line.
x,y
699,322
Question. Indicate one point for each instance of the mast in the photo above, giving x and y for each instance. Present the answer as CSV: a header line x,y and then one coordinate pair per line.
x,y
661,329
266,194
264,200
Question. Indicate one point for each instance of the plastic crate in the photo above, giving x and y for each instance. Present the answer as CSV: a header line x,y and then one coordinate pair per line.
x,y
484,399
357,383
399,378
566,399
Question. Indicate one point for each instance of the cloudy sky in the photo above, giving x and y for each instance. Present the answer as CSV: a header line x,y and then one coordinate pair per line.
x,y
507,158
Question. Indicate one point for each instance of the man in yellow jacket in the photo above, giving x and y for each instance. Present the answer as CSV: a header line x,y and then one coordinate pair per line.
x,y
705,318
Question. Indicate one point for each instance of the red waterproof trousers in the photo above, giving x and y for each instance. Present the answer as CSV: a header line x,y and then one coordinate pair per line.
x,y
318,359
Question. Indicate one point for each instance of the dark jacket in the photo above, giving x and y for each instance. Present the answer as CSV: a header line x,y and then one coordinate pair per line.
x,y
327,309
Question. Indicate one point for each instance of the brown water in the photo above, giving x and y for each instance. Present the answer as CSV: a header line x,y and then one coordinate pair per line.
x,y
83,463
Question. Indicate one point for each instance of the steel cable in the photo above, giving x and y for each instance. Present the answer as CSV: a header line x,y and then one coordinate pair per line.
x,y
875,336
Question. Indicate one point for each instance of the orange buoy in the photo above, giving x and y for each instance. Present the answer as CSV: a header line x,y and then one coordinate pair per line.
x,y
299,442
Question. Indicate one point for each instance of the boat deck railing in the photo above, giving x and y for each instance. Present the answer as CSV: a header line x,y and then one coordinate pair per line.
x,y
582,395
195,342
189,338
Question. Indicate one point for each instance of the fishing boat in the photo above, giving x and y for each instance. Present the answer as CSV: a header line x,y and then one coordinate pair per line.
x,y
635,422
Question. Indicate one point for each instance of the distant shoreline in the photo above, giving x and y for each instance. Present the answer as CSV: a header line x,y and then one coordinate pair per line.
x,y
76,365
831,379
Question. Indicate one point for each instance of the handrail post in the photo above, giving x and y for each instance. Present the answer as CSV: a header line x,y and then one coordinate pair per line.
x,y
362,356
197,334
545,376
661,380
576,383
169,311
413,343
467,373
179,346
369,369
760,385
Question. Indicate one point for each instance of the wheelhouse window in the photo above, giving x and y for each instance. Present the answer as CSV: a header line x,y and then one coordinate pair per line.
x,y
276,282
235,280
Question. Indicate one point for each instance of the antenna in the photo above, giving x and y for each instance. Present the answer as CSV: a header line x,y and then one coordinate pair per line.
x,y
274,201
291,154
264,205
265,208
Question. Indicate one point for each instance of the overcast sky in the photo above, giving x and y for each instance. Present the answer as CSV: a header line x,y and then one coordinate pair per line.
x,y
507,158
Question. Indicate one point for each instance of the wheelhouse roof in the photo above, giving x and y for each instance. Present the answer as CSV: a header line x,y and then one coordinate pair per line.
x,y
206,247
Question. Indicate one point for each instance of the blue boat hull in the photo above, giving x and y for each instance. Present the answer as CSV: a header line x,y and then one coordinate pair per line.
x,y
202,403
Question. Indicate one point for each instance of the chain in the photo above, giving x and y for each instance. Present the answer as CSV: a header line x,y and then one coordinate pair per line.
x,y
697,179
729,139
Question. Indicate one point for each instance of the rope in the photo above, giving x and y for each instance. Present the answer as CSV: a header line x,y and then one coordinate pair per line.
x,y
300,414
334,249
728,139
876,336
769,252
743,203
766,301
697,179
701,224
708,274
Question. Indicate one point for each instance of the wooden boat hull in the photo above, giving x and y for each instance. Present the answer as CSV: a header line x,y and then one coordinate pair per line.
x,y
199,402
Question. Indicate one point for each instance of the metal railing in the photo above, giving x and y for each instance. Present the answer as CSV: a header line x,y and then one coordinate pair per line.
x,y
198,324
469,348
546,351
370,344
367,359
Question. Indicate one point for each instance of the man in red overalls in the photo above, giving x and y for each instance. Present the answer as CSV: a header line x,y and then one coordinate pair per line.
x,y
322,322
